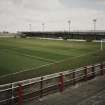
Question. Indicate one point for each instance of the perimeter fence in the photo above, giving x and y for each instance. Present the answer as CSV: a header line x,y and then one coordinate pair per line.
x,y
18,92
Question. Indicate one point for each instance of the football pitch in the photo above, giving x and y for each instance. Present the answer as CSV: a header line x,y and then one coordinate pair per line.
x,y
22,58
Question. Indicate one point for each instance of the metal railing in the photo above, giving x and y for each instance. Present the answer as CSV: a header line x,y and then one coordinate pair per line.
x,y
41,86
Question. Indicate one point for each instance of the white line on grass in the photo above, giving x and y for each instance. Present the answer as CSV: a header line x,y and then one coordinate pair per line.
x,y
26,70
48,60
27,55
47,64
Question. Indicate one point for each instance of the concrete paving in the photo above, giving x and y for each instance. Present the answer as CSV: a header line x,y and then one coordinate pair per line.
x,y
91,92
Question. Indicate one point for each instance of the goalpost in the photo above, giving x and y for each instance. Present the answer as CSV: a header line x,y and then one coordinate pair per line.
x,y
101,45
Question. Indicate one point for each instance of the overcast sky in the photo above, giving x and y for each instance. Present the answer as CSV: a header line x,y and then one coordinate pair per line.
x,y
16,15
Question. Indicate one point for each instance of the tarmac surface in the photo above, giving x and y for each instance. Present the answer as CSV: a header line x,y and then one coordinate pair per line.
x,y
91,92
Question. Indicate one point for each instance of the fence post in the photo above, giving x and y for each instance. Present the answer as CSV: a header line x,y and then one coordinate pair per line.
x,y
61,82
12,93
30,88
20,94
74,78
85,71
101,69
41,87
93,71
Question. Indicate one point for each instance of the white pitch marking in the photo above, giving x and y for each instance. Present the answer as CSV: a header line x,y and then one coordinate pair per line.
x,y
48,60
47,64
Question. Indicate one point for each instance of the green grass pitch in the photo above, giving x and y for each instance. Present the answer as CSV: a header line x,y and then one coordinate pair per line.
x,y
26,58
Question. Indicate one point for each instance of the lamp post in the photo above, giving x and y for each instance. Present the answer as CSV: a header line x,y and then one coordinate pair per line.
x,y
69,22
30,27
43,27
94,23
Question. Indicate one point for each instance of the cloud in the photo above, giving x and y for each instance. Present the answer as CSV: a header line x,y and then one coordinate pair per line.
x,y
90,4
37,4
18,14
